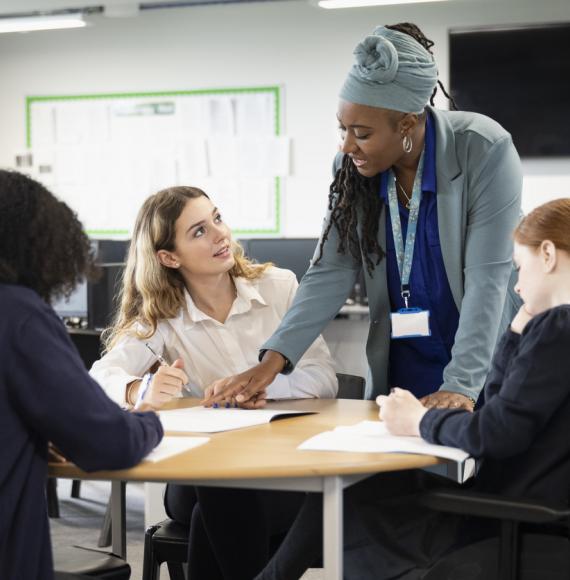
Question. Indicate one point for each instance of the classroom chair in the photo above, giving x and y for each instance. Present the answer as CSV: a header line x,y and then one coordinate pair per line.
x,y
533,544
76,560
167,541
350,386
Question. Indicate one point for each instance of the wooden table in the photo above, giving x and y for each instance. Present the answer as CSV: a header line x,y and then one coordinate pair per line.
x,y
266,457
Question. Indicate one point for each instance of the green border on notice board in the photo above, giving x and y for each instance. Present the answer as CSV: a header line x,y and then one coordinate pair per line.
x,y
276,90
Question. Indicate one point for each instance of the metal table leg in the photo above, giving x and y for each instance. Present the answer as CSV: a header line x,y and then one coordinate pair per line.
x,y
332,527
119,518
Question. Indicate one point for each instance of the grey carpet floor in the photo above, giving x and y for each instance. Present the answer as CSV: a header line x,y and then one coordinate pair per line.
x,y
81,519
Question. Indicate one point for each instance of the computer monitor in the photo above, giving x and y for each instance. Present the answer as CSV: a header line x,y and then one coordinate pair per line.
x,y
75,306
295,254
103,296
110,251
290,253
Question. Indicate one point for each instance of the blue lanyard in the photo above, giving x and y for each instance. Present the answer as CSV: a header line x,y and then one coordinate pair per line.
x,y
405,254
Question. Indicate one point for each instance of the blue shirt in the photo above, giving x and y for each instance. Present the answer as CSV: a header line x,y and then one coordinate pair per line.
x,y
417,363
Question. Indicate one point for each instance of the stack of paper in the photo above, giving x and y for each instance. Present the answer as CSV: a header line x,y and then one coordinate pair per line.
x,y
209,420
373,437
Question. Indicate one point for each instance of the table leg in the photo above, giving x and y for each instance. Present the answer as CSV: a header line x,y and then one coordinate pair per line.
x,y
119,518
332,527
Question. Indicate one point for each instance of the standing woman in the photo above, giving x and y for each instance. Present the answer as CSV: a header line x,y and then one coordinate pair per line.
x,y
423,201
519,439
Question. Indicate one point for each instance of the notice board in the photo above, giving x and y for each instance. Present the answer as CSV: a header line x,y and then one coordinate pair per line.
x,y
103,154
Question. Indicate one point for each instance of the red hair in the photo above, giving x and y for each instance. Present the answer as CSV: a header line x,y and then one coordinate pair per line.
x,y
550,221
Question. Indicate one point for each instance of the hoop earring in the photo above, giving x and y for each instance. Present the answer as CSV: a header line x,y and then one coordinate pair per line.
x,y
407,144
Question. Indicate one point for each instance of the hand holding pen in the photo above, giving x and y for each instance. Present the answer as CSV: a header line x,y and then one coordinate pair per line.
x,y
161,387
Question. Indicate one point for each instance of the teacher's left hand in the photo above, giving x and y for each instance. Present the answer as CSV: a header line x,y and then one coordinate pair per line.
x,y
447,400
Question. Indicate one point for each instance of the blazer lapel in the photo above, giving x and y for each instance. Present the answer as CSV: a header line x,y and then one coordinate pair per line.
x,y
451,214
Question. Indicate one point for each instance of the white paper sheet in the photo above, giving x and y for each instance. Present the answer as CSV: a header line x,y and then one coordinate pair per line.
x,y
373,437
170,446
209,420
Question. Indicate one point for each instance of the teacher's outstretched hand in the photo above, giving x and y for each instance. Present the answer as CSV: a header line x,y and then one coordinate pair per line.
x,y
247,389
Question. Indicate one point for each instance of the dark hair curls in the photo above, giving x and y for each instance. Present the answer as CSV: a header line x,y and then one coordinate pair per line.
x,y
42,243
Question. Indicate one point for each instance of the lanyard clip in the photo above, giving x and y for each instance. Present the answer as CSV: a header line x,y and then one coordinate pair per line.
x,y
405,294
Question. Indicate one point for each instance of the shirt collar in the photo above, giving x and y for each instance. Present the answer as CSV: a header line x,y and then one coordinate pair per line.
x,y
429,180
246,291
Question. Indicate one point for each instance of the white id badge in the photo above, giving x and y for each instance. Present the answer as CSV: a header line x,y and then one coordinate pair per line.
x,y
410,322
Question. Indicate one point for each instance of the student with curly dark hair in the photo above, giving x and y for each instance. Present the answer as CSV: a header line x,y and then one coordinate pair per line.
x,y
46,395
42,244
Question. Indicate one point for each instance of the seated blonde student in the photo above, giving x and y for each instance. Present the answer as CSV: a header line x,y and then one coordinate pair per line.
x,y
519,436
45,392
192,295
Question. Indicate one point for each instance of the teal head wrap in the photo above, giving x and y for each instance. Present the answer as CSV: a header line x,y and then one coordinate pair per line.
x,y
392,71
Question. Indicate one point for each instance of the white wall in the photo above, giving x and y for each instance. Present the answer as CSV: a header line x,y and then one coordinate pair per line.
x,y
305,49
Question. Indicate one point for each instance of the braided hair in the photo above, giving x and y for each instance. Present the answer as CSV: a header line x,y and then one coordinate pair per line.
x,y
351,192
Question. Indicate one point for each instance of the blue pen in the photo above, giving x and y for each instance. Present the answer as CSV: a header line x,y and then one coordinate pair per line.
x,y
163,362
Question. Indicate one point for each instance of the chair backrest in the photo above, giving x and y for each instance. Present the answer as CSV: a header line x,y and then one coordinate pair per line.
x,y
350,386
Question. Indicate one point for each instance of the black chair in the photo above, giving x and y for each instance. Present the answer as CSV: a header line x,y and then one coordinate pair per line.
x,y
350,386
167,541
76,560
533,544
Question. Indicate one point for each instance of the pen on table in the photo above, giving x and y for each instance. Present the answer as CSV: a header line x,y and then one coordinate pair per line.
x,y
163,361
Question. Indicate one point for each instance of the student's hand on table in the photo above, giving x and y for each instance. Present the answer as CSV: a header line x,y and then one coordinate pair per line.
x,y
521,319
248,389
401,412
166,384
54,454
447,400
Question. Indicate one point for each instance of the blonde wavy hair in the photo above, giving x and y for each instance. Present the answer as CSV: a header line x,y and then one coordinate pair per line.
x,y
150,291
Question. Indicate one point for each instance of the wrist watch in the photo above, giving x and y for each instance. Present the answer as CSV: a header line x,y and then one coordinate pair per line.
x,y
287,368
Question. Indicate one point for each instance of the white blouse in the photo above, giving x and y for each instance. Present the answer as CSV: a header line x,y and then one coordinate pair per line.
x,y
213,350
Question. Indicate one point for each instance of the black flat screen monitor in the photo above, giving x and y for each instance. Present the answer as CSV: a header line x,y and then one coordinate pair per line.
x,y
111,251
519,76
103,296
75,306
290,253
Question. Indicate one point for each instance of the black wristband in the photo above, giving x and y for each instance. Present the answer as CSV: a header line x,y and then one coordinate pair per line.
x,y
287,368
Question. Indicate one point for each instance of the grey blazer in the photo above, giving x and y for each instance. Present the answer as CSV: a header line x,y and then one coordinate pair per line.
x,y
479,182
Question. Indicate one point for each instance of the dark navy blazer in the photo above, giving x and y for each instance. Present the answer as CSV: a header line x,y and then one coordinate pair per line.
x,y
47,395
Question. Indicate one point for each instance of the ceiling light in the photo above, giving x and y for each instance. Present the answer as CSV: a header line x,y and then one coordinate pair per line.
x,y
362,3
33,23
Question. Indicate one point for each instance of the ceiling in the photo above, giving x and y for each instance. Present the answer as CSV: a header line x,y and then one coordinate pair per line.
x,y
113,7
